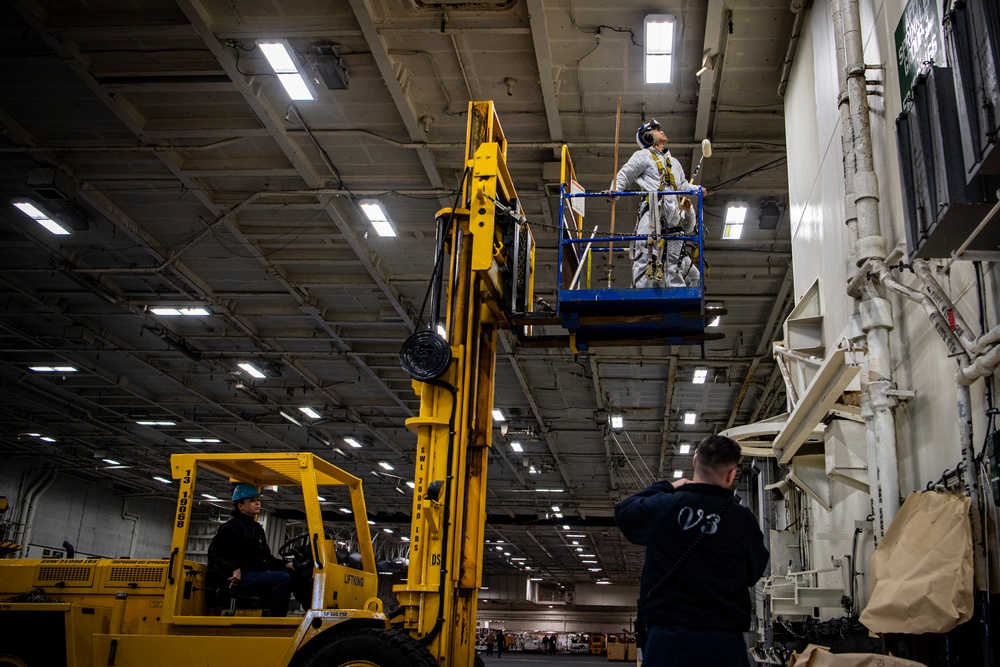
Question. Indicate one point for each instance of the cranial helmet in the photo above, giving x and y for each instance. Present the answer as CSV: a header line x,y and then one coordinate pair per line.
x,y
644,135
244,491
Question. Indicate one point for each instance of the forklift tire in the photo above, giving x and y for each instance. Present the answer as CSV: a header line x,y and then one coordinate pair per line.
x,y
366,647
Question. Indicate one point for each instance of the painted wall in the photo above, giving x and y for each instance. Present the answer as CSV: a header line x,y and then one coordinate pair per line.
x,y
927,432
87,516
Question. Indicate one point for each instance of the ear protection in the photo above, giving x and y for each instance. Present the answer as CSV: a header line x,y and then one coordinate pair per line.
x,y
647,137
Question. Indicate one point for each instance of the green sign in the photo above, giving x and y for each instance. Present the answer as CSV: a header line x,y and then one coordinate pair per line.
x,y
918,39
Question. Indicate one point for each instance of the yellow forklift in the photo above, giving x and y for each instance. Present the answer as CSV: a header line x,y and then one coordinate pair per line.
x,y
155,613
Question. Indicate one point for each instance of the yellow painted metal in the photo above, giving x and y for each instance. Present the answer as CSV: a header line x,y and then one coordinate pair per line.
x,y
455,424
154,612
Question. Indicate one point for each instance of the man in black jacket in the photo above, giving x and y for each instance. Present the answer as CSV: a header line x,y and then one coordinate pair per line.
x,y
698,614
239,554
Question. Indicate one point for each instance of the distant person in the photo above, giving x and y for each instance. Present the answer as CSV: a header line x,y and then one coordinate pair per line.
x,y
703,552
490,640
239,555
501,646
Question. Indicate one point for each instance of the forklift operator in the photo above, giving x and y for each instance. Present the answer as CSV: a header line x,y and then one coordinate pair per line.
x,y
239,554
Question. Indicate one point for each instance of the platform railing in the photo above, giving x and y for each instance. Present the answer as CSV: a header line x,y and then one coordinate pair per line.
x,y
578,240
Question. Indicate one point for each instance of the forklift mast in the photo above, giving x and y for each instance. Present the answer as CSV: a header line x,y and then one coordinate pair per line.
x,y
454,427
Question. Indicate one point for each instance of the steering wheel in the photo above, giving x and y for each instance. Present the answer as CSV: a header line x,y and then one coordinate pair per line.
x,y
299,547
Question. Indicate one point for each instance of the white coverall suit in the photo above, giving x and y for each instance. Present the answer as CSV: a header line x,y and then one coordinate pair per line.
x,y
642,169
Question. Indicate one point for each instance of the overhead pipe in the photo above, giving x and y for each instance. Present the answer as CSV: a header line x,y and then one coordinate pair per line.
x,y
874,312
798,7
26,511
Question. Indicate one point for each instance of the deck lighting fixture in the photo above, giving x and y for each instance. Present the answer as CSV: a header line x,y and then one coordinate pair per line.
x,y
498,415
112,462
659,29
279,57
700,375
174,312
352,442
290,418
555,508
208,496
532,470
53,369
376,215
686,448
202,440
411,485
678,474
156,423
387,530
346,511
516,446
321,499
404,538
309,412
736,215
690,418
252,370
29,208
617,421
162,479
385,465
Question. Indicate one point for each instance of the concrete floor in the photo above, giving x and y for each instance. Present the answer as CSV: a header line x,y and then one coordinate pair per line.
x,y
517,658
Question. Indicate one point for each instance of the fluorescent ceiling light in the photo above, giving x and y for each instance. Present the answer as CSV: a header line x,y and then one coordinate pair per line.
x,y
603,582
736,215
555,508
53,369
29,209
353,443
499,548
208,496
200,440
498,415
537,579
46,438
441,331
376,215
370,522
111,462
715,322
173,312
516,446
252,370
700,375
162,479
565,527
685,448
387,530
309,412
404,538
594,569
321,499
678,474
659,29
385,465
290,418
281,60
411,485
617,421
156,423
690,418
518,558
346,511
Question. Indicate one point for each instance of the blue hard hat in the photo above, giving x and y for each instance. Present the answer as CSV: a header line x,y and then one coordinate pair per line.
x,y
644,135
244,491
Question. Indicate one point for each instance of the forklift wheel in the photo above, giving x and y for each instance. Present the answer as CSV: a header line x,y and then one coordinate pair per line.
x,y
366,647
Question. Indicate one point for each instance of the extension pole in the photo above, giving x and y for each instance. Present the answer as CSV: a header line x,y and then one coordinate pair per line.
x,y
614,200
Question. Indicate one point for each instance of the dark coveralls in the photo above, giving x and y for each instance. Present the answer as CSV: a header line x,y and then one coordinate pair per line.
x,y
698,617
241,544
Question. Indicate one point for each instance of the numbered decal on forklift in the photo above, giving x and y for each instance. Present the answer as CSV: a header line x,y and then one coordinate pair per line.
x,y
182,502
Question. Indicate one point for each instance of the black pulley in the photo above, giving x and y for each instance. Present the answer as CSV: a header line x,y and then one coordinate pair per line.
x,y
425,356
